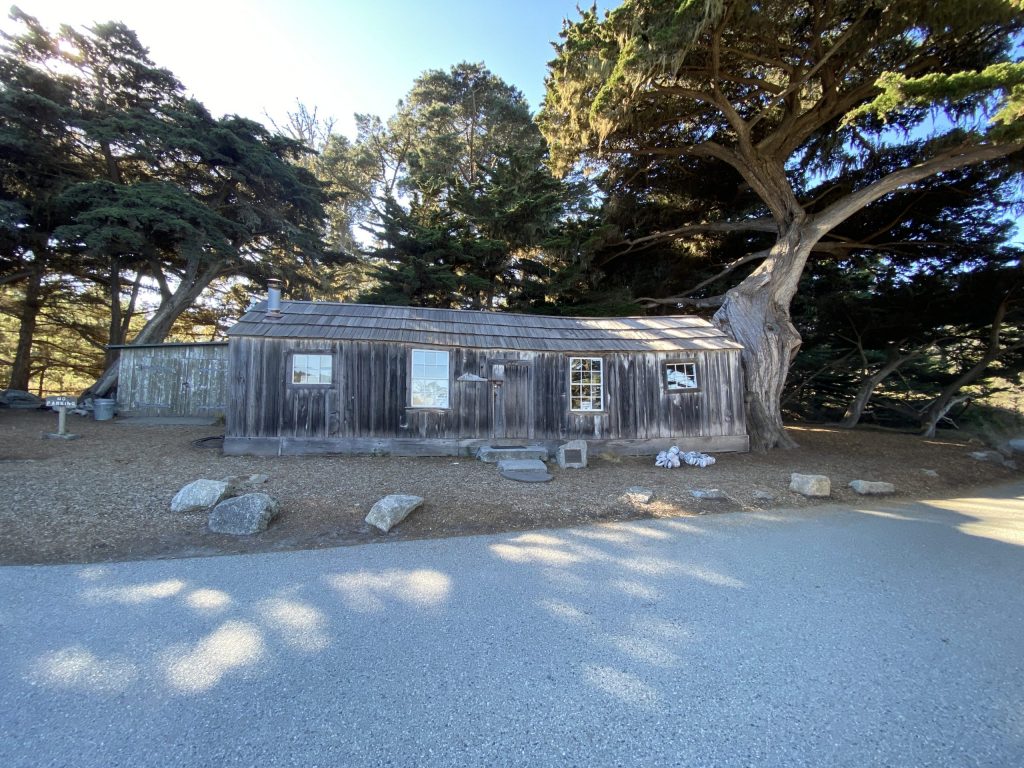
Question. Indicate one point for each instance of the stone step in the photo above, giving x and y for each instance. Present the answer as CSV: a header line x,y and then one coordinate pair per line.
x,y
524,470
495,453
522,465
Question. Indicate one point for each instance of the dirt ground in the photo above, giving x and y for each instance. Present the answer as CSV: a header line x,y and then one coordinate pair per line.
x,y
106,495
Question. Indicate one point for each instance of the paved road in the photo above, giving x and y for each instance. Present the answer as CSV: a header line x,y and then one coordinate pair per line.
x,y
830,637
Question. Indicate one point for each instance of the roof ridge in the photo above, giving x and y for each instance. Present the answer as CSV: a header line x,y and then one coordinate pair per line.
x,y
500,312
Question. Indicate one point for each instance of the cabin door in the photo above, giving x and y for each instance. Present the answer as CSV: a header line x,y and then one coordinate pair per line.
x,y
512,399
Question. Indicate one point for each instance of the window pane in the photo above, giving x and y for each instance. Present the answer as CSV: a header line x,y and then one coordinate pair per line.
x,y
429,382
429,394
311,369
586,388
681,375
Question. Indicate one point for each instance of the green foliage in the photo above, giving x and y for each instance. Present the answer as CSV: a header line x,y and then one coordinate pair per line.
x,y
656,73
461,123
1004,79
419,262
67,352
455,190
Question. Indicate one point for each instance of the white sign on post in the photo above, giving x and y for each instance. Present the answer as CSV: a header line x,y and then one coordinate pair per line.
x,y
62,403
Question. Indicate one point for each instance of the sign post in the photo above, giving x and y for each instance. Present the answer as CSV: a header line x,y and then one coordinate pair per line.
x,y
62,403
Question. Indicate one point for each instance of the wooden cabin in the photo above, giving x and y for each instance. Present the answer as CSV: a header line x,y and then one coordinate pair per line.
x,y
173,380
318,377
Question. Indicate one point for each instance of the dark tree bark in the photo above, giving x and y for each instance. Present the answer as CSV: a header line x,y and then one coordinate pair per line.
x,y
120,317
756,312
21,368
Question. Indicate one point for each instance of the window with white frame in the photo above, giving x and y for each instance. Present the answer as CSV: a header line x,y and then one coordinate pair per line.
x,y
429,379
586,384
311,369
680,376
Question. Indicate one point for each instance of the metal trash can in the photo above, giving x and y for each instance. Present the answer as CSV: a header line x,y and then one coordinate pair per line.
x,y
103,408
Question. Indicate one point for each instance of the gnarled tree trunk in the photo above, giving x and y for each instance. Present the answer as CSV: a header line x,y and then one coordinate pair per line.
x,y
756,314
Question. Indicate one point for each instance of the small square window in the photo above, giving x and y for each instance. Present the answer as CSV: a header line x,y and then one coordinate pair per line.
x,y
311,369
680,376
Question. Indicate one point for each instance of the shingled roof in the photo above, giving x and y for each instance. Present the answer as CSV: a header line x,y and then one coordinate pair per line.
x,y
482,330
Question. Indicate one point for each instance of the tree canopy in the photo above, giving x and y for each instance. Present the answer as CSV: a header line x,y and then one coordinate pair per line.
x,y
455,189
113,176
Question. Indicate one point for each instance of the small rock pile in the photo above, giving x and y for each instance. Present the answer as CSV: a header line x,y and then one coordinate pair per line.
x,y
234,507
673,458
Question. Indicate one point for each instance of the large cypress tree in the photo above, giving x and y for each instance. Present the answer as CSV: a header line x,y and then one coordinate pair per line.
x,y
774,91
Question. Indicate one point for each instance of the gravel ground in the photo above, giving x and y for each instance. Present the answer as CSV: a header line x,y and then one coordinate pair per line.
x,y
106,495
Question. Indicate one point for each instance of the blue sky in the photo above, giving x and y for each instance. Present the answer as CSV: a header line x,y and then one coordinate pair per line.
x,y
347,56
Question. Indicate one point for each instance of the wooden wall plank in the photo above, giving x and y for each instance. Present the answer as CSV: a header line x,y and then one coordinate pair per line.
x,y
173,380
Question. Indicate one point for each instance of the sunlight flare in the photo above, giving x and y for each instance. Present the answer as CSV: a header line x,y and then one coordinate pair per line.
x,y
368,591
79,668
233,645
299,624
136,594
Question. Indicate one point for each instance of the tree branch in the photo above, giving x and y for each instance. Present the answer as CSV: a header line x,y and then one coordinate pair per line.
x,y
710,302
840,211
800,82
642,243
732,265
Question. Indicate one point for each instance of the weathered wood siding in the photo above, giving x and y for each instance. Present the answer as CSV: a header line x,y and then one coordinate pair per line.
x,y
369,396
179,380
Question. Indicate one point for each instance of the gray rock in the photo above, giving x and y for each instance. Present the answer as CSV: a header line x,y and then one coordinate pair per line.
x,y
985,456
243,515
709,494
492,454
200,494
812,486
572,455
522,465
391,510
19,398
929,473
638,495
1017,445
256,479
993,456
760,495
869,488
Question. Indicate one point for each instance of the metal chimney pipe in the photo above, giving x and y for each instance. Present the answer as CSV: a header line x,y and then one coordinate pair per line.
x,y
274,298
